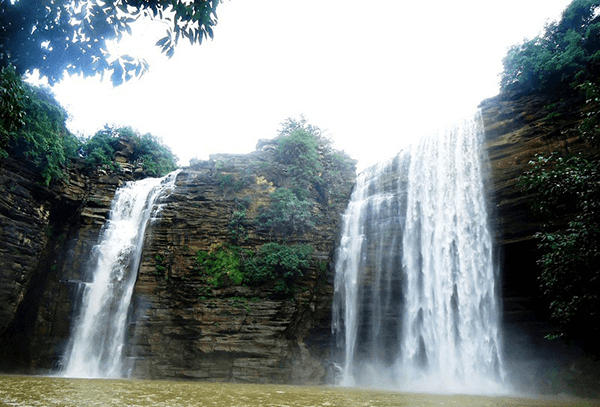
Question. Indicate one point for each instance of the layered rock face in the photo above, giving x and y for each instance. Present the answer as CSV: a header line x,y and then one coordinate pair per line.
x,y
46,237
517,128
184,327
181,325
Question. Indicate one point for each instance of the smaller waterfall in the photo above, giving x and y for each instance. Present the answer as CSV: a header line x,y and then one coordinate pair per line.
x,y
416,299
96,349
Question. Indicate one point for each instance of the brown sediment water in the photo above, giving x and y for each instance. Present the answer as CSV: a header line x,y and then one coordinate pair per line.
x,y
56,391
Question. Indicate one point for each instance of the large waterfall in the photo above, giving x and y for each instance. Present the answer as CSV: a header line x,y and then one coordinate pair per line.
x,y
416,293
97,342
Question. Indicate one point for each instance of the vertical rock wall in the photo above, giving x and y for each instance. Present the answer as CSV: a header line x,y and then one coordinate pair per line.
x,y
46,237
518,127
183,327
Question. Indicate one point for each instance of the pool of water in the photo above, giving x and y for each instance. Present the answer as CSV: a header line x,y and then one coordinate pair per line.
x,y
33,391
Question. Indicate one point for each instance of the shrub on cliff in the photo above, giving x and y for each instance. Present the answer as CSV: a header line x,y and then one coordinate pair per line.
x,y
33,129
222,265
287,214
298,150
277,262
230,265
315,170
312,161
147,150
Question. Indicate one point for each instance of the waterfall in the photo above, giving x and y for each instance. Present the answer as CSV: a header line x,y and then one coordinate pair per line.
x,y
97,342
416,303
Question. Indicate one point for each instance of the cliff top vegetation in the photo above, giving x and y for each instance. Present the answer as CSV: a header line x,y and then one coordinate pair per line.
x,y
33,130
314,174
564,56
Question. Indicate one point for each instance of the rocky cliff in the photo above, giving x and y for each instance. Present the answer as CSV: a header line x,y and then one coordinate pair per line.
x,y
46,236
518,127
182,325
185,327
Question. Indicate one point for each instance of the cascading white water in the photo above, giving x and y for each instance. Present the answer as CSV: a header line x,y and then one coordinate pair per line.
x,y
97,342
416,298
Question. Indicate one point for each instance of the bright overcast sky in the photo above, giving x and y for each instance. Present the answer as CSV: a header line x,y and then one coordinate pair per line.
x,y
374,75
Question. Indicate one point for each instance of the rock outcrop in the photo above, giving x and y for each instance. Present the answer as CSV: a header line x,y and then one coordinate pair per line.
x,y
181,325
519,127
46,235
184,327
46,239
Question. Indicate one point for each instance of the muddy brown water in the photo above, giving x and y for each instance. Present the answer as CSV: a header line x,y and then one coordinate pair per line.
x,y
53,391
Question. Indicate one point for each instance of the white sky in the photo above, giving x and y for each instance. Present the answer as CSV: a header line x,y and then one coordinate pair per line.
x,y
375,75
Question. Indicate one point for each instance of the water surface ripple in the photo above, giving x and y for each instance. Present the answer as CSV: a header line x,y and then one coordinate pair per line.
x,y
33,391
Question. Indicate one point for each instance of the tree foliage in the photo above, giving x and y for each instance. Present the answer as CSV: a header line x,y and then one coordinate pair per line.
x,y
12,106
567,53
72,36
564,62
33,129
567,198
570,262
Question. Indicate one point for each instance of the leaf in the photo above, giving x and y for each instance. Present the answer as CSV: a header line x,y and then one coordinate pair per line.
x,y
170,52
162,42
117,76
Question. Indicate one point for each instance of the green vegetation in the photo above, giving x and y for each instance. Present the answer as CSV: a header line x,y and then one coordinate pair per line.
x,y
33,127
315,169
565,55
71,36
222,265
298,149
237,227
567,198
278,262
33,130
228,265
287,214
229,183
315,172
564,63
154,157
12,107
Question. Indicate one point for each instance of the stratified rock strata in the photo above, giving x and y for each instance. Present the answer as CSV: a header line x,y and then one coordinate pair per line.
x,y
183,327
